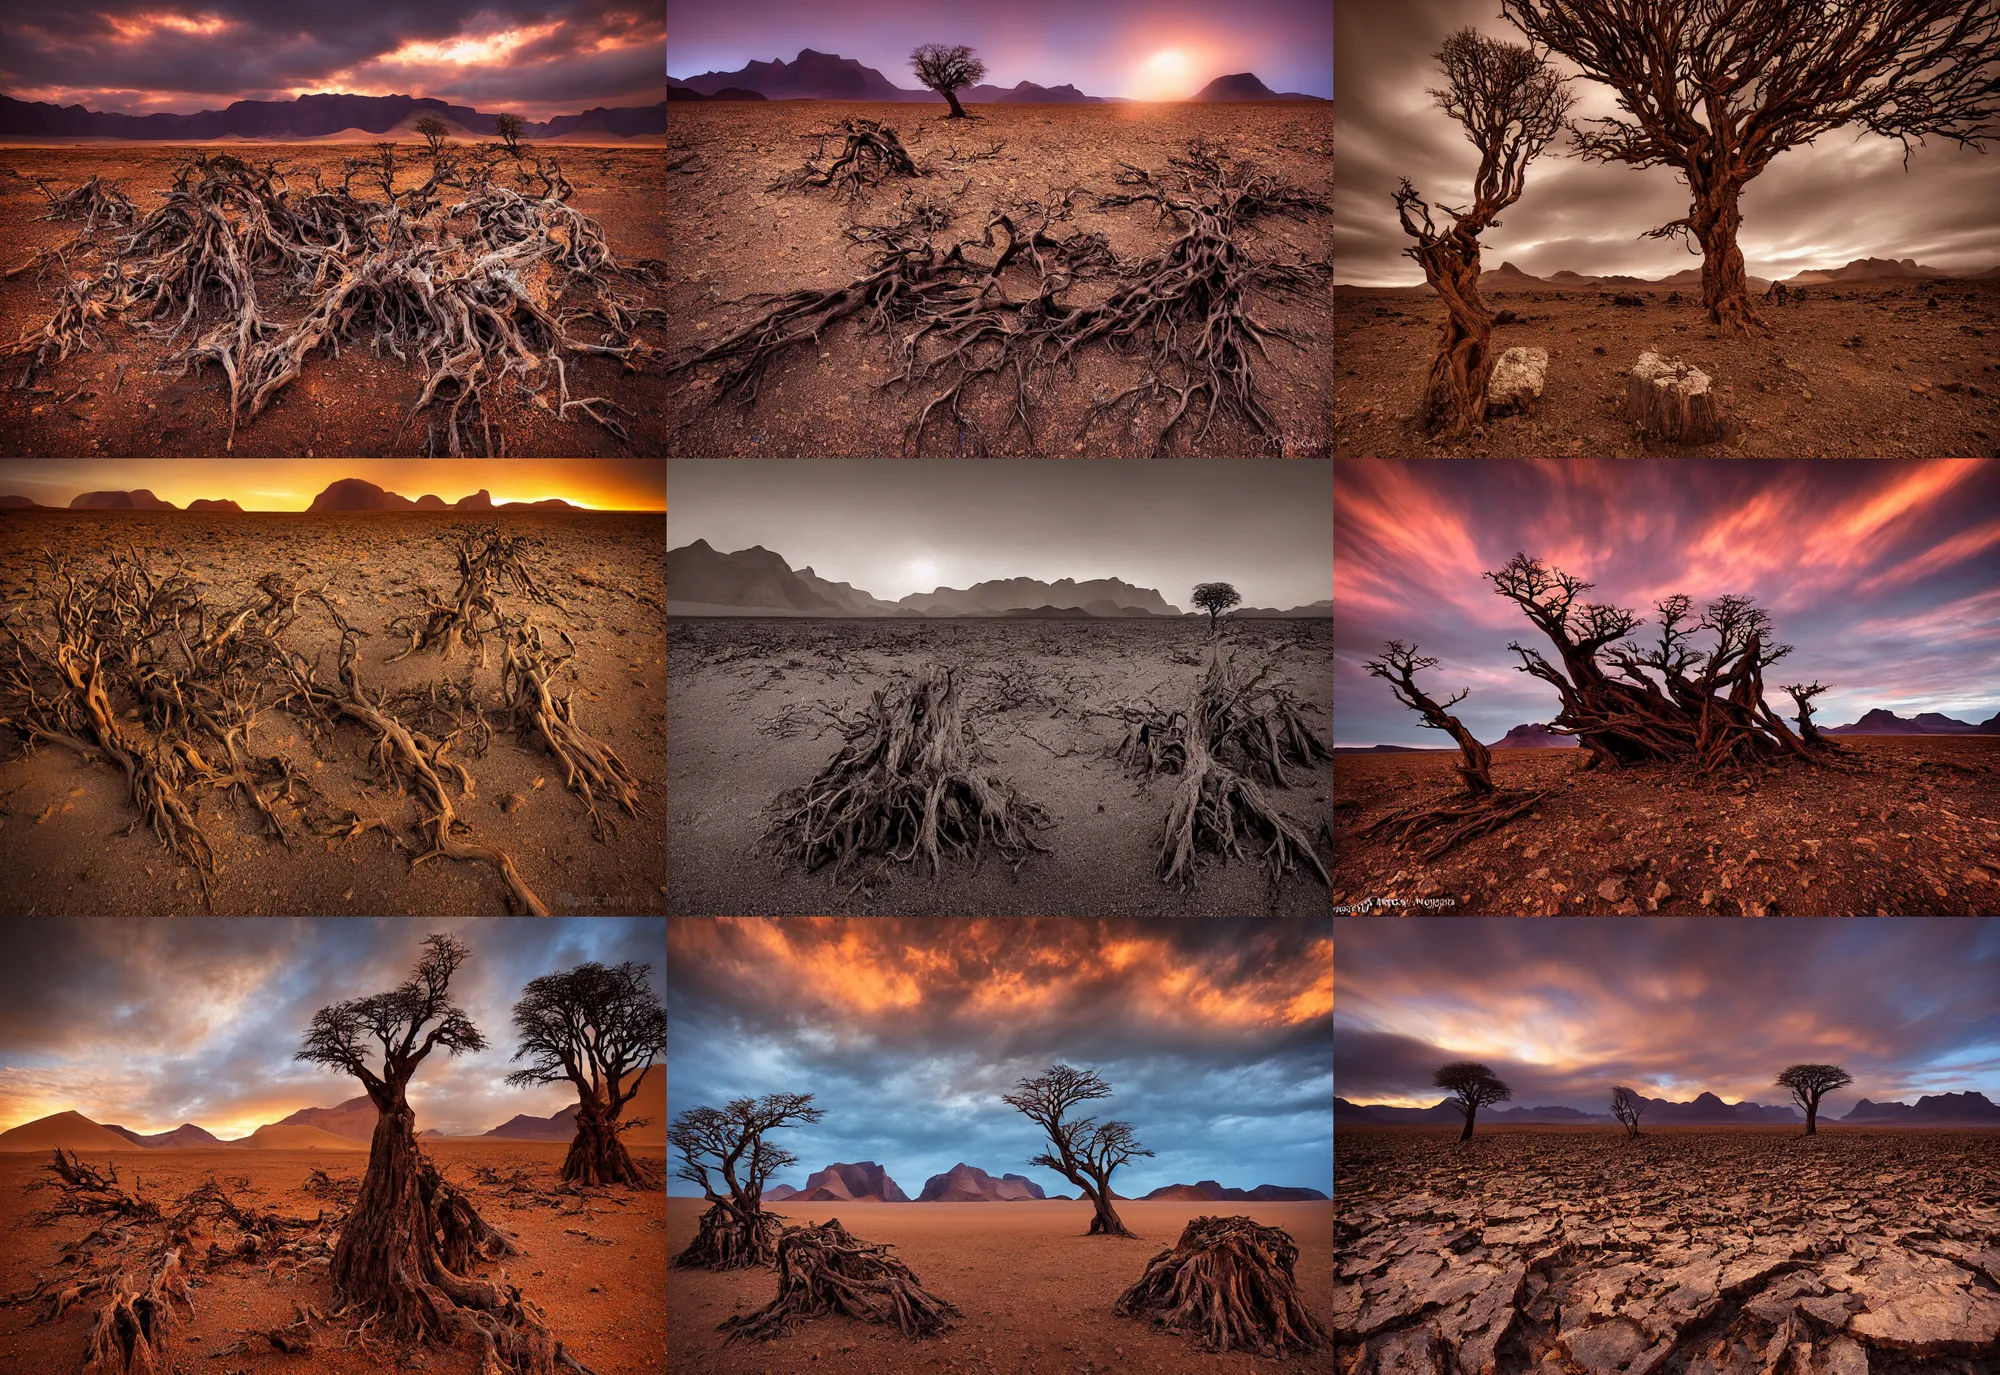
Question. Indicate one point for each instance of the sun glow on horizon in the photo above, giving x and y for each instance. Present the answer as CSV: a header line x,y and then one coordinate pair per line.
x,y
1163,76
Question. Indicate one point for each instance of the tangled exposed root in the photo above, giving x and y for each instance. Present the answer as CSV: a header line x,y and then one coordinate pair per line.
x,y
95,200
1230,1280
491,565
82,304
726,1242
824,1270
84,1192
591,766
1461,818
906,788
869,151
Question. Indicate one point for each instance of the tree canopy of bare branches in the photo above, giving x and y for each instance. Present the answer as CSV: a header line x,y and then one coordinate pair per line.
x,y
1717,88
1628,1107
1512,105
598,1026
1215,598
1474,1085
435,131
1397,667
1809,1084
1081,1149
944,70
729,1142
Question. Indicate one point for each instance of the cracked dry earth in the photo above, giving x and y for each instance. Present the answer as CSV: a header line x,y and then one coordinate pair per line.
x,y
1687,1252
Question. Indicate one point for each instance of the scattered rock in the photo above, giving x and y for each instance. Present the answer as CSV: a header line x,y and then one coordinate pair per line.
x,y
1517,379
1612,889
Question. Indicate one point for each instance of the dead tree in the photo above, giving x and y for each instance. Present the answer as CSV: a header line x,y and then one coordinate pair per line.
x,y
736,1231
944,70
1232,1281
508,127
1674,701
1081,1149
1397,667
1809,1084
1474,1086
406,1247
1802,697
1627,1107
1512,105
435,132
869,151
1715,91
599,1027
824,1270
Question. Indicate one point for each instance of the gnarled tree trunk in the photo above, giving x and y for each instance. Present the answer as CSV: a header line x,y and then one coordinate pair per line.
x,y
1455,392
1105,1222
1725,288
957,110
597,1155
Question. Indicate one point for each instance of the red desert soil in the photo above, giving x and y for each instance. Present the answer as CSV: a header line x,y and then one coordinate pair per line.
x,y
352,405
1035,1290
827,400
603,1302
1880,372
1690,1251
745,713
62,821
1916,833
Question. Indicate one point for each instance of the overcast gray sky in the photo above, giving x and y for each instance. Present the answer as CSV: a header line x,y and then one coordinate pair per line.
x,y
149,1024
894,526
1820,206
1215,1034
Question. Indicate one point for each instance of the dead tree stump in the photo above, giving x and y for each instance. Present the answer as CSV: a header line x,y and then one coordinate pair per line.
x,y
1231,1280
1672,399
824,1270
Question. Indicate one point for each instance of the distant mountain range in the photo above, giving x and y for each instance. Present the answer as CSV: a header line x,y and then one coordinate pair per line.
x,y
1880,722
702,581
1943,1107
680,93
866,1182
1214,1192
1508,277
829,76
1705,1110
346,494
964,1183
1533,737
310,116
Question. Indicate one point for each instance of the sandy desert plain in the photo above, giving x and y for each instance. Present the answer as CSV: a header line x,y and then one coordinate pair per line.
x,y
747,708
63,821
833,398
1037,1293
1917,833
1689,1251
1860,371
355,404
602,1300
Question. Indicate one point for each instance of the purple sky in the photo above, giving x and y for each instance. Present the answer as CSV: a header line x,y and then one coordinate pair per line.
x,y
1820,206
1105,47
1669,1006
1884,575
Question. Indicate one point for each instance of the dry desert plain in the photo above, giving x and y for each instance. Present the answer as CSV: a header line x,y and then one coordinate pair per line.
x,y
1036,1291
355,404
1871,370
602,1301
832,399
1690,1251
1916,832
748,708
63,821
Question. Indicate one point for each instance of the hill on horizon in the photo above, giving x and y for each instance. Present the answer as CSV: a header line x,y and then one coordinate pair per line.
x,y
311,116
829,76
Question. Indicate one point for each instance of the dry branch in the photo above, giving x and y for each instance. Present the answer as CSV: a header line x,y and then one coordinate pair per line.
x,y
824,1270
1229,1280
869,151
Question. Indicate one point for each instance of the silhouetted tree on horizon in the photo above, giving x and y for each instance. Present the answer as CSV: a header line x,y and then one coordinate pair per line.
x,y
509,127
1215,598
1082,1150
944,70
1627,1107
434,131
1474,1085
1810,1083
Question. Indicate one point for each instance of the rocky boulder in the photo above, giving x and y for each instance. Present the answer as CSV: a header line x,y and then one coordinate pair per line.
x,y
1673,400
1516,383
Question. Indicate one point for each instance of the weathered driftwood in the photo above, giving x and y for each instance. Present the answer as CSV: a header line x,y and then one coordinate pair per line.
x,y
1673,400
824,1270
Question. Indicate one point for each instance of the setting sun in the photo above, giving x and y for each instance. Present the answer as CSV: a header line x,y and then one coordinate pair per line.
x,y
924,568
1163,76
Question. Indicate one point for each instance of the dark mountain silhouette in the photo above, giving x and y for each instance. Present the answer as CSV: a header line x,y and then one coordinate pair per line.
x,y
309,116
1059,613
829,76
1943,1107
750,578
1209,1189
998,596
1936,723
20,503
353,494
204,504
1533,737
1868,270
865,1182
481,500
649,1106
726,93
1380,749
1708,1109
1881,722
187,1136
1311,611
1508,277
964,1183
1990,726
1027,93
1705,1110
141,500
1245,86
431,502
1344,1111
545,504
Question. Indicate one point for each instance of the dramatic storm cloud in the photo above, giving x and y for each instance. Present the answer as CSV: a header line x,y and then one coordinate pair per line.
x,y
149,1024
1145,49
1820,206
1216,1036
290,484
1669,1006
1884,576
892,527
535,57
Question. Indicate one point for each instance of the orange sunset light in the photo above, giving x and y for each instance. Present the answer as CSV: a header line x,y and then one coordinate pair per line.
x,y
291,484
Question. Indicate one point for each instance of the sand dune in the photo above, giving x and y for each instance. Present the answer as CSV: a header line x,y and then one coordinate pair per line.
x,y
276,1138
70,1130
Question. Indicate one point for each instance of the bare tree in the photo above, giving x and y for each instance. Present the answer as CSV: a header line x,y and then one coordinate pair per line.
x,y
1810,1083
1802,697
1627,1107
434,131
410,1237
944,70
599,1027
1215,598
509,127
736,1231
1512,105
1716,90
1397,667
1474,1085
1082,1150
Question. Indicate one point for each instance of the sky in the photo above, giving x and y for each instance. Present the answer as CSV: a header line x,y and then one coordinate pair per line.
x,y
1215,1034
892,527
290,484
149,1024
1144,49
1670,1006
1816,206
1884,575
535,57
